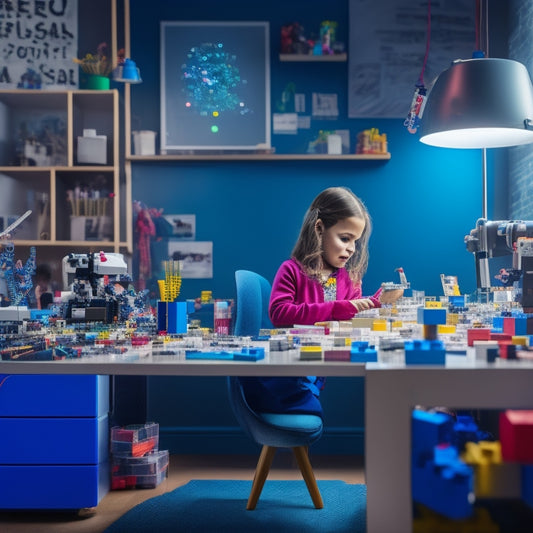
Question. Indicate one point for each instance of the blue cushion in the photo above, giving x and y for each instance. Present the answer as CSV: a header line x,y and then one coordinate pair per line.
x,y
297,422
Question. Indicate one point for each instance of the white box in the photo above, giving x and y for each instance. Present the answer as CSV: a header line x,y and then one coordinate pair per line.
x,y
334,144
92,148
144,142
91,228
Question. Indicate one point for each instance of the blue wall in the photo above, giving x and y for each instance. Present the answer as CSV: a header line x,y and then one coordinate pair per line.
x,y
423,202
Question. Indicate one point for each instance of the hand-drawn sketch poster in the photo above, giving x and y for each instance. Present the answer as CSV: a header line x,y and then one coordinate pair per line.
x,y
37,43
387,48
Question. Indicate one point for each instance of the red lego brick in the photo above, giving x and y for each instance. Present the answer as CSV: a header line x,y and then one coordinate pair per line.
x,y
516,436
477,334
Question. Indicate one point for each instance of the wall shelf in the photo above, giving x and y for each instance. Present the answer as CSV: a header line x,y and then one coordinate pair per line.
x,y
310,57
258,157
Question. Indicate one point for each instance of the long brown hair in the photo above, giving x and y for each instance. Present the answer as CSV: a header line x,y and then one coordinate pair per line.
x,y
331,206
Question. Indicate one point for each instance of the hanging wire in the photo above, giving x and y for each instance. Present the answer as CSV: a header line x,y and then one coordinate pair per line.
x,y
412,121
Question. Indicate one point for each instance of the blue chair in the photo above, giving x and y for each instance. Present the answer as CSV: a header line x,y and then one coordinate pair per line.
x,y
253,296
270,430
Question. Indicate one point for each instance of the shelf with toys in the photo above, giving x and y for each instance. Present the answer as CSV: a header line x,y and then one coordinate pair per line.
x,y
60,159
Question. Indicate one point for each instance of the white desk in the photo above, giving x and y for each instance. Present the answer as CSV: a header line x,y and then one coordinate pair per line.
x,y
392,392
274,364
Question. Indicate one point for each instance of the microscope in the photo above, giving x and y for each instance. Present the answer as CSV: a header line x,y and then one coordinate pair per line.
x,y
497,238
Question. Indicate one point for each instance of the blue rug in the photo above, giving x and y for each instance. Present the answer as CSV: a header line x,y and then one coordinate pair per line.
x,y
220,505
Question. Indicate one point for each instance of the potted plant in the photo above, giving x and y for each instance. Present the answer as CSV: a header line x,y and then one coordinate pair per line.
x,y
95,69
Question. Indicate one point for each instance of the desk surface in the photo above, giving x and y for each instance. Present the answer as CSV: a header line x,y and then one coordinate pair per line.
x,y
274,364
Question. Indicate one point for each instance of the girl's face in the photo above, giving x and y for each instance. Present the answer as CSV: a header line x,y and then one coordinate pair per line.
x,y
338,241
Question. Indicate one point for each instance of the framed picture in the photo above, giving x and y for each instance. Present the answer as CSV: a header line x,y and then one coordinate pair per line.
x,y
183,226
196,258
215,86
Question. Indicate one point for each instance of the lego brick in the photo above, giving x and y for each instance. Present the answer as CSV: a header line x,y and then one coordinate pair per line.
x,y
431,316
56,441
337,355
362,352
486,351
492,477
527,484
53,395
429,429
516,435
477,334
425,352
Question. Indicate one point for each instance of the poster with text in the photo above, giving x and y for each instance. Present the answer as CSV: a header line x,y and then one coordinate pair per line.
x,y
38,41
387,49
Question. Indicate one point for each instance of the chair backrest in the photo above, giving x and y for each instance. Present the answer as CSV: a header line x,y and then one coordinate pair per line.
x,y
253,297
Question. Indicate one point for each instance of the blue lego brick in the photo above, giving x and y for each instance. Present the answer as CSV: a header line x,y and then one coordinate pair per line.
x,y
457,301
447,488
219,356
428,430
172,317
424,352
361,352
527,484
497,324
53,395
431,316
250,354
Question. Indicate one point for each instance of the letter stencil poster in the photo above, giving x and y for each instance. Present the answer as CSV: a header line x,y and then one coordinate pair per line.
x,y
38,41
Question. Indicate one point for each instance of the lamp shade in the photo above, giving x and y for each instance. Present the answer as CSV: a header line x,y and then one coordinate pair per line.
x,y
127,72
479,103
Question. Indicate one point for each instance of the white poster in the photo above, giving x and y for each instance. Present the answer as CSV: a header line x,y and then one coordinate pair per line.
x,y
38,41
387,49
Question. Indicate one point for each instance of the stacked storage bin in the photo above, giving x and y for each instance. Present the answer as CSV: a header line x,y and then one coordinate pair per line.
x,y
136,461
54,441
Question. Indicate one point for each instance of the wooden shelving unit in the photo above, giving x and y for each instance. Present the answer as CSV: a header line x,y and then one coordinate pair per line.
x,y
39,164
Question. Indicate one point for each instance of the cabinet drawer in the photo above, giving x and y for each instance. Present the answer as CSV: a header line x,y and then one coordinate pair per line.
x,y
53,395
56,441
53,487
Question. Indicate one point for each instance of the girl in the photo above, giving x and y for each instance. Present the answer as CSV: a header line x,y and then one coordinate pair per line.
x,y
321,282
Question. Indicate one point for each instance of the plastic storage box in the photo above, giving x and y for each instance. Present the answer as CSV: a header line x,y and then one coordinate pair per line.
x,y
139,472
135,440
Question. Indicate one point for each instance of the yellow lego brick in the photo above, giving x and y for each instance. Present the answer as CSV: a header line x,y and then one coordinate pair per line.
x,y
379,325
428,521
432,304
520,340
445,328
453,318
311,349
397,324
493,478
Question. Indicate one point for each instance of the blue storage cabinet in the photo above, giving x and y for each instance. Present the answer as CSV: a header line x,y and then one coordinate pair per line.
x,y
54,441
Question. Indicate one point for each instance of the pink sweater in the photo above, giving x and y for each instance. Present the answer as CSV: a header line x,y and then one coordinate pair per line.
x,y
298,299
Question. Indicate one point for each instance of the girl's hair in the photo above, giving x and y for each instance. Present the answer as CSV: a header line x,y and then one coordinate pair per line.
x,y
331,206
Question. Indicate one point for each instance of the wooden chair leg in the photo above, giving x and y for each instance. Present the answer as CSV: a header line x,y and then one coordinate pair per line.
x,y
302,457
261,473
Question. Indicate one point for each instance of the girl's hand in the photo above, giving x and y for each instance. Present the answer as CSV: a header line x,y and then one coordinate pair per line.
x,y
362,304
389,297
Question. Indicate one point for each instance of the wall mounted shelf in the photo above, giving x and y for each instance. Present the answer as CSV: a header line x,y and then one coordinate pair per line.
x,y
310,57
258,157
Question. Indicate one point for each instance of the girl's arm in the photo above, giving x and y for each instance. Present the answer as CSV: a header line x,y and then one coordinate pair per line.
x,y
297,299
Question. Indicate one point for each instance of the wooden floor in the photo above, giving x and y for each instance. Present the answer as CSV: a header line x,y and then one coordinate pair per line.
x,y
181,470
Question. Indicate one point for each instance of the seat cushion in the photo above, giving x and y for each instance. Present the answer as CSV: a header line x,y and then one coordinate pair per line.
x,y
298,422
